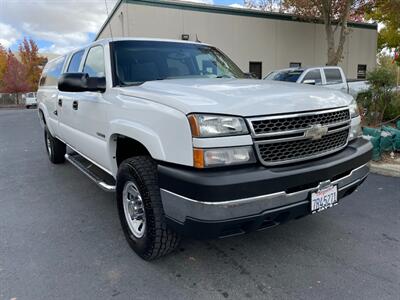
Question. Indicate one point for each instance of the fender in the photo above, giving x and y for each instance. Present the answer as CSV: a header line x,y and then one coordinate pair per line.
x,y
138,132
42,108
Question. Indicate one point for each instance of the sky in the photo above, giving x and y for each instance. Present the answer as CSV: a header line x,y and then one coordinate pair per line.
x,y
59,26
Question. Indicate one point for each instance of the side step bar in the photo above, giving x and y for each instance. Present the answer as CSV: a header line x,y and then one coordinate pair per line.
x,y
102,179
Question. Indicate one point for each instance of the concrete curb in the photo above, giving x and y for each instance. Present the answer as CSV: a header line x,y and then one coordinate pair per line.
x,y
385,169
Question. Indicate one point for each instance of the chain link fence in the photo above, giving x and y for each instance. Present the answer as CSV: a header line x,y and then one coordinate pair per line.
x,y
10,99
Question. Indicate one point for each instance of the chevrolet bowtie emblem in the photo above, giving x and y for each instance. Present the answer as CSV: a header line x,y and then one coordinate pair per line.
x,y
316,132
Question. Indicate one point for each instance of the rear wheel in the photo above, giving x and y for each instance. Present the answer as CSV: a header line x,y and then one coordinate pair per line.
x,y
140,209
55,148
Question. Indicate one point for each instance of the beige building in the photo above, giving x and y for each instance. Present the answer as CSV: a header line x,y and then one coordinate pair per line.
x,y
257,41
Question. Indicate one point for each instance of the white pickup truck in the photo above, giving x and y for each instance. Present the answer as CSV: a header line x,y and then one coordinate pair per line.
x,y
30,100
330,77
192,147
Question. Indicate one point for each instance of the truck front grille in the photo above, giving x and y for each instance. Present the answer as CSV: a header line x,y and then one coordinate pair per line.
x,y
296,137
281,123
284,151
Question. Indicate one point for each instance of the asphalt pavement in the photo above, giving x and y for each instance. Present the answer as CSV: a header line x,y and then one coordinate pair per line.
x,y
60,238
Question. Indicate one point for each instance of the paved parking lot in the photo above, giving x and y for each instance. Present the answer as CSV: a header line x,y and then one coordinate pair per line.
x,y
60,238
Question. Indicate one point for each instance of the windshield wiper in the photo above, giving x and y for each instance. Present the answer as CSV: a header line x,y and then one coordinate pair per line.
x,y
223,76
135,83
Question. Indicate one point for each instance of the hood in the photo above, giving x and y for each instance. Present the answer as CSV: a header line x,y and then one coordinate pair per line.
x,y
242,97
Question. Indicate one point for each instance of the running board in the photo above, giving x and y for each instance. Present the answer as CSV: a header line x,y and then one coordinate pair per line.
x,y
104,180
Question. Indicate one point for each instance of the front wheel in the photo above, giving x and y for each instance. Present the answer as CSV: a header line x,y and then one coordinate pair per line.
x,y
55,148
140,209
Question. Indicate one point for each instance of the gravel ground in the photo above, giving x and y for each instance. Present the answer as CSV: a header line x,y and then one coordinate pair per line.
x,y
60,238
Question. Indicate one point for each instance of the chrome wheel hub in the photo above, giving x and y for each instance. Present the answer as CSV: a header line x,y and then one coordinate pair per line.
x,y
48,143
134,209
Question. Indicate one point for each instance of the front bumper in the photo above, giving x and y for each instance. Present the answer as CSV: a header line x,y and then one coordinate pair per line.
x,y
213,203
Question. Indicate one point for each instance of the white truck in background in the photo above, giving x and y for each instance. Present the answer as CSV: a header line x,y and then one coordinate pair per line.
x,y
330,77
30,100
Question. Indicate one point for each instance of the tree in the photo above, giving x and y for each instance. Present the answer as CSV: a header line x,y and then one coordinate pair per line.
x,y
386,12
15,77
267,5
334,14
29,55
3,64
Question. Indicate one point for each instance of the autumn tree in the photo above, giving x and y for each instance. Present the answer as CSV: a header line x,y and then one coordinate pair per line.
x,y
3,64
386,12
267,5
15,77
334,14
30,58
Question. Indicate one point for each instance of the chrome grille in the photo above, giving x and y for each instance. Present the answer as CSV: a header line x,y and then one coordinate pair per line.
x,y
284,151
289,138
295,122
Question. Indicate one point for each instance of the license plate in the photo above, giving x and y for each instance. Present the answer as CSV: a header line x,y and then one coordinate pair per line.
x,y
324,198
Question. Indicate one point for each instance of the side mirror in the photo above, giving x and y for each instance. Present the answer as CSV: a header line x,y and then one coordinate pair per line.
x,y
309,81
81,82
250,75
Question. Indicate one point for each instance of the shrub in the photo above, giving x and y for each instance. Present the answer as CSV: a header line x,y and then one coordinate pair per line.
x,y
380,101
393,110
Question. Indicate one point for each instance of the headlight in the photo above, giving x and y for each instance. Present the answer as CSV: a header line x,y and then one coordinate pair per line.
x,y
355,128
354,112
214,125
219,157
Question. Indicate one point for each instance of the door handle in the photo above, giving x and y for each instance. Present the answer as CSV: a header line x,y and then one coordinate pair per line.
x,y
75,105
60,102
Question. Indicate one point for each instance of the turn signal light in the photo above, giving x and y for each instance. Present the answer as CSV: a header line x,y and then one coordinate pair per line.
x,y
198,158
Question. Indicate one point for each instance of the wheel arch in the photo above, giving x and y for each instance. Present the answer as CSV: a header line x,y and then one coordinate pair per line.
x,y
130,139
44,118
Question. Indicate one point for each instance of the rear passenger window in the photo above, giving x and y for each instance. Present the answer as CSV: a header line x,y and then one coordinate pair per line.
x,y
52,72
75,62
313,75
333,76
94,64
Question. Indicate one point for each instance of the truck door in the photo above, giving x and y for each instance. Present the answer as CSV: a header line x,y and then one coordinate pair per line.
x,y
48,93
335,80
89,113
64,103
312,76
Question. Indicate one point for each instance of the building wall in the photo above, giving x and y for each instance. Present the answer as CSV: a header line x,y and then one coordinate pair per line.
x,y
275,43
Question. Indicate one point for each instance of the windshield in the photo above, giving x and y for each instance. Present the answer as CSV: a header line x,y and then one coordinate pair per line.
x,y
138,61
286,75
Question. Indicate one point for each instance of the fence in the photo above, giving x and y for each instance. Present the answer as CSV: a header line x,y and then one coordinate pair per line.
x,y
10,99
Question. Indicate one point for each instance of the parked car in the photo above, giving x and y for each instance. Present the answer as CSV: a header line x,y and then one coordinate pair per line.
x,y
329,77
30,100
192,147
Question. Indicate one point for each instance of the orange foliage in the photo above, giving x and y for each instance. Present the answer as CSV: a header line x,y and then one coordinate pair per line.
x,y
32,60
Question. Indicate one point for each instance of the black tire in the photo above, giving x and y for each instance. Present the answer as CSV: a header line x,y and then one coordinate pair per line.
x,y
55,148
28,107
157,240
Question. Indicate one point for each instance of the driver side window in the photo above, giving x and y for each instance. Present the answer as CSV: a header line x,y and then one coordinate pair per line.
x,y
94,64
313,75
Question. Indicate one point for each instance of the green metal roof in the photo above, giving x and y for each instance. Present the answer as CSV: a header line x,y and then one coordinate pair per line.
x,y
224,10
